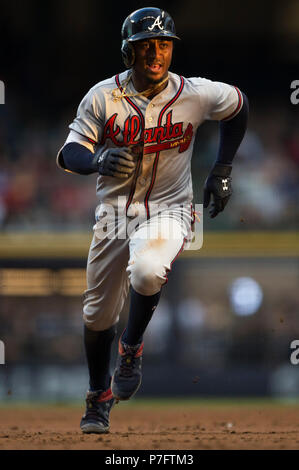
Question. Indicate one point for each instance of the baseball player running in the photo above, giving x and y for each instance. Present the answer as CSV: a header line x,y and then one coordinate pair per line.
x,y
136,131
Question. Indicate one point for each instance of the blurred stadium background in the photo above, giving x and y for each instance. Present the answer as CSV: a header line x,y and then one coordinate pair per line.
x,y
230,311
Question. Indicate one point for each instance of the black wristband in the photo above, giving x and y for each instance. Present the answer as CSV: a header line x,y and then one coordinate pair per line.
x,y
220,169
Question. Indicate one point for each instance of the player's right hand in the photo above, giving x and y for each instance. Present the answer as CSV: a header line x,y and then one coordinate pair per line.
x,y
118,162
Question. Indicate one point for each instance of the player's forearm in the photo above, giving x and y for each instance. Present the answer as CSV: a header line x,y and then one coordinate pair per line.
x,y
79,159
231,134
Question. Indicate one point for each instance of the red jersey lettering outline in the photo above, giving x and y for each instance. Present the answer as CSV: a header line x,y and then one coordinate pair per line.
x,y
109,132
164,137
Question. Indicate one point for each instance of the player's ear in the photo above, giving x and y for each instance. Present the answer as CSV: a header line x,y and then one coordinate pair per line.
x,y
128,53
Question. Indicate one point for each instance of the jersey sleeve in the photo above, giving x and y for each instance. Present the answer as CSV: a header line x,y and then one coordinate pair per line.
x,y
222,101
89,119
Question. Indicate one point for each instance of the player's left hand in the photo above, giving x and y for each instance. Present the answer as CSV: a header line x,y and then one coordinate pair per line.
x,y
218,185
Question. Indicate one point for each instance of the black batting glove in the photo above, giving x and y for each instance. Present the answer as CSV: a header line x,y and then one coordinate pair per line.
x,y
118,162
218,185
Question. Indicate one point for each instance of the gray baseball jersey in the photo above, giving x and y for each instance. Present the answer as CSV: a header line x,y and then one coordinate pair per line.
x,y
162,129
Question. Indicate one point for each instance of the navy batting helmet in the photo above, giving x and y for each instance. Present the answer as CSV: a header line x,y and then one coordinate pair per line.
x,y
142,24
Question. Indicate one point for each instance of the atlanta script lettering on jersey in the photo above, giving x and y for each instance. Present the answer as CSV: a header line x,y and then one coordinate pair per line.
x,y
161,137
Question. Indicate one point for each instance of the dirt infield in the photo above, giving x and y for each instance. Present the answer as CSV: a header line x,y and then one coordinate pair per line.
x,y
175,426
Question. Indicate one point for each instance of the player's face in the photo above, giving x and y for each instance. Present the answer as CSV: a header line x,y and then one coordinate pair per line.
x,y
152,59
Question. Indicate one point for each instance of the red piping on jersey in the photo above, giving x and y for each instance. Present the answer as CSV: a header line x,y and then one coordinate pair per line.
x,y
130,102
142,129
90,140
235,112
155,165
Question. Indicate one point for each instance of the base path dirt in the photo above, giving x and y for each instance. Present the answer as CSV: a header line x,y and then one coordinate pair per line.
x,y
154,427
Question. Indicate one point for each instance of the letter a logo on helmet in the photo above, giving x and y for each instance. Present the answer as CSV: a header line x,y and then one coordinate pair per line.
x,y
157,22
142,24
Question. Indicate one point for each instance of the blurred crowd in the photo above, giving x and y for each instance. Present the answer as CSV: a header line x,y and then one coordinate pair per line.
x,y
36,195
46,78
193,323
265,172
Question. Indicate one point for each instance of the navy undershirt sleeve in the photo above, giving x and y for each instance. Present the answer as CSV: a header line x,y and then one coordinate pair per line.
x,y
79,159
232,133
